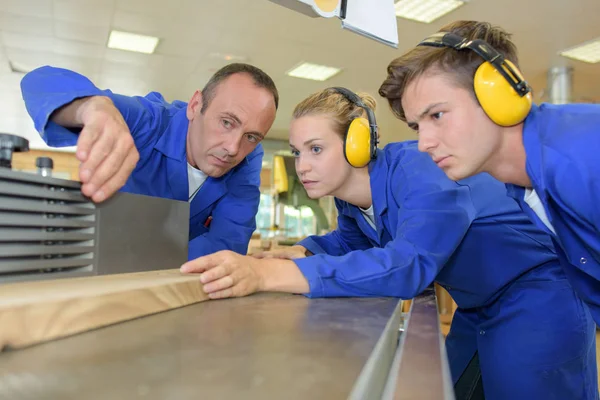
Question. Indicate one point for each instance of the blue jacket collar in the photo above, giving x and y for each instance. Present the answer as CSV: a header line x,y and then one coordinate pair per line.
x,y
378,171
378,174
172,145
533,150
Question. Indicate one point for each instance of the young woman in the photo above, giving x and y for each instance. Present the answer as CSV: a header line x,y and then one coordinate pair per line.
x,y
403,225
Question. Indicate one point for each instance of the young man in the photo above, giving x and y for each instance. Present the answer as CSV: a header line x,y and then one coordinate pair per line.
x,y
461,91
206,152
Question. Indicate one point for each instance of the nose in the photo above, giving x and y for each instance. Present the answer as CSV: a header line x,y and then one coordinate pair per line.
x,y
232,145
427,141
302,165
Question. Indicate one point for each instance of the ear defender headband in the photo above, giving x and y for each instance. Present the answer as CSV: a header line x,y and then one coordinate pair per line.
x,y
361,139
499,86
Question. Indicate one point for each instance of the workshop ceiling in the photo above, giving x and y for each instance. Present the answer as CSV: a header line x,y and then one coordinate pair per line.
x,y
197,35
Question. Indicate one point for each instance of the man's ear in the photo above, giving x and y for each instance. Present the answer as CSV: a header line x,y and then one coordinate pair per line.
x,y
194,106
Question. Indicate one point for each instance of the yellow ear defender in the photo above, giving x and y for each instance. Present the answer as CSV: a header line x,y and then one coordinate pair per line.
x,y
499,86
361,139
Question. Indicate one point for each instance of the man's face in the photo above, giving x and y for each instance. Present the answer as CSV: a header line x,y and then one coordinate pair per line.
x,y
451,125
237,118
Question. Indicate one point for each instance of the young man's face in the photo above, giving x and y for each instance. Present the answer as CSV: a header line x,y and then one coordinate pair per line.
x,y
451,125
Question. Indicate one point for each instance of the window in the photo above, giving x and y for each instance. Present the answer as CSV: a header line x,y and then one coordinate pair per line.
x,y
293,223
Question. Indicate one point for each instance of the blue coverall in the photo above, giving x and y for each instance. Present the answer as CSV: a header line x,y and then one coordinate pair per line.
x,y
222,214
534,336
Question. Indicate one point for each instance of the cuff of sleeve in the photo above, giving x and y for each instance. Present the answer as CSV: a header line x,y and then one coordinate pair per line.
x,y
309,267
50,108
312,246
55,135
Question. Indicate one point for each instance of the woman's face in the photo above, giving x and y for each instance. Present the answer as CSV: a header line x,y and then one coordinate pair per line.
x,y
320,162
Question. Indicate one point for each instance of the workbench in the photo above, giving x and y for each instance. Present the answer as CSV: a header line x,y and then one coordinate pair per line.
x,y
265,346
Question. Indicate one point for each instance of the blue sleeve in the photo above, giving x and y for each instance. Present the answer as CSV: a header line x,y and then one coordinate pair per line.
x,y
236,212
46,89
345,238
433,216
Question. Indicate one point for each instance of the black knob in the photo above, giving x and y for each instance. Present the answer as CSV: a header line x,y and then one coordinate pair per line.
x,y
44,162
10,144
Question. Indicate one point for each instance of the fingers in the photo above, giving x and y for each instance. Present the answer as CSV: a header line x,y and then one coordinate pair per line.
x,y
104,141
216,273
262,254
281,254
223,283
199,265
235,284
108,156
87,138
116,176
106,149
224,274
222,294
269,254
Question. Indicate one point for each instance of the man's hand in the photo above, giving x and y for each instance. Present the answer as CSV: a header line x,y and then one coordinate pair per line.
x,y
105,147
226,274
288,253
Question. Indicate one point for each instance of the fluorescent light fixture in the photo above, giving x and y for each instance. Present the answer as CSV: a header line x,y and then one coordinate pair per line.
x,y
314,72
425,10
228,57
587,52
132,42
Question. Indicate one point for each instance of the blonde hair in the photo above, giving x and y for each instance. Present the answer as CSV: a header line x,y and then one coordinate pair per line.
x,y
337,106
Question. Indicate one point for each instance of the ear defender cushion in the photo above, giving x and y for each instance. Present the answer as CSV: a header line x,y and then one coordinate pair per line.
x,y
499,100
357,146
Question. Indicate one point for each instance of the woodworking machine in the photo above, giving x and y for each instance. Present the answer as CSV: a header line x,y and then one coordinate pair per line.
x,y
49,230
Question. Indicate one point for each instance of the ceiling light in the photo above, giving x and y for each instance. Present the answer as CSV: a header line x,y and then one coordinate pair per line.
x,y
425,10
314,72
132,42
228,57
587,52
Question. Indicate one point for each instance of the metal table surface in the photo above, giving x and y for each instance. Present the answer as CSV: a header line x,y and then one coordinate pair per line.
x,y
262,346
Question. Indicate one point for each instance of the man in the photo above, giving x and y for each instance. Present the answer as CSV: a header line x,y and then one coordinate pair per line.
x,y
464,96
206,152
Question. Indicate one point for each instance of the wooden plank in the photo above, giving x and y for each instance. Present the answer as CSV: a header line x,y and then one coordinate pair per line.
x,y
34,312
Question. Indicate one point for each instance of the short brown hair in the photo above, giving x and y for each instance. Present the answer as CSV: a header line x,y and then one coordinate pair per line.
x,y
461,65
260,78
335,105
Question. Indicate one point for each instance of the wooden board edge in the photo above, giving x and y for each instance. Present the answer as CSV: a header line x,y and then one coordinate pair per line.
x,y
40,322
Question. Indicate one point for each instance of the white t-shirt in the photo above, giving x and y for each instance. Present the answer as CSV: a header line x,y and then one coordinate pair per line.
x,y
536,205
195,180
369,216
